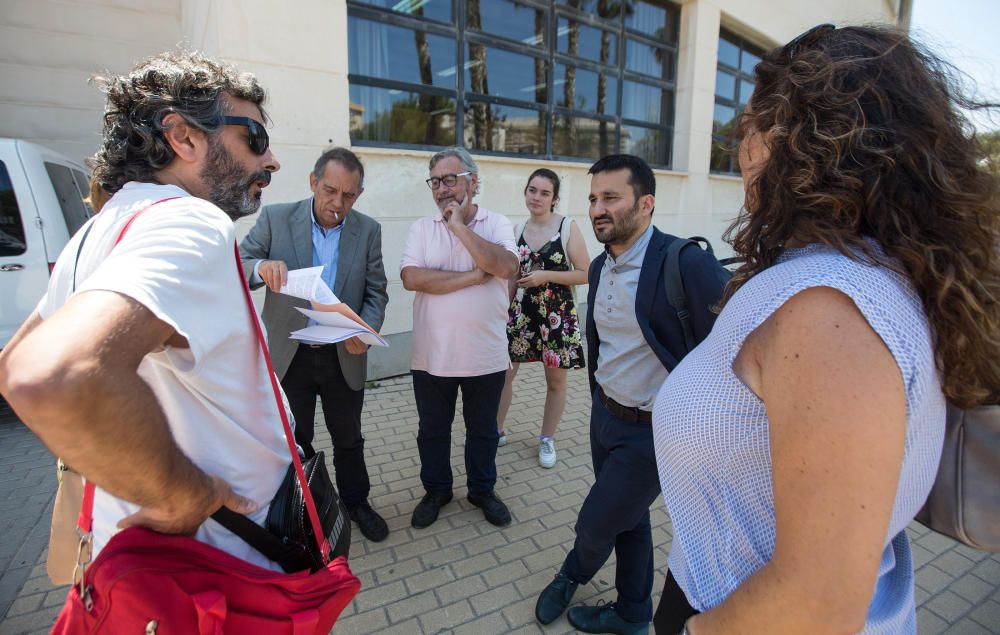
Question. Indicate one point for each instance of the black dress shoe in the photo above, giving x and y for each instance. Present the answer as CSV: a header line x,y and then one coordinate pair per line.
x,y
426,511
493,508
372,525
604,619
554,599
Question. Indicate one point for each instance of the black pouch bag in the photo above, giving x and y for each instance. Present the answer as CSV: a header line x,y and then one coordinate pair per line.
x,y
288,536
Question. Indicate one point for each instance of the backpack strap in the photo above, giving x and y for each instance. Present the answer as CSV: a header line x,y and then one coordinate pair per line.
x,y
674,285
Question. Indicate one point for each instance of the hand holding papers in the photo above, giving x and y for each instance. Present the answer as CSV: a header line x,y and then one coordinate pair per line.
x,y
335,321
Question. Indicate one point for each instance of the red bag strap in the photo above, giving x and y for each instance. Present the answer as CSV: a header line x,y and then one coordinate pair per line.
x,y
317,527
85,522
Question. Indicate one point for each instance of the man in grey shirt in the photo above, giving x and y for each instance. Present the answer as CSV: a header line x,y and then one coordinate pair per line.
x,y
634,338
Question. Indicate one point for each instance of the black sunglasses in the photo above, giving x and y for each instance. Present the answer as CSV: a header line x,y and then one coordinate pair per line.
x,y
259,141
804,40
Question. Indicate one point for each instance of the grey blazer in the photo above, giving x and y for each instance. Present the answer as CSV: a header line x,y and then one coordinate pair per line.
x,y
284,232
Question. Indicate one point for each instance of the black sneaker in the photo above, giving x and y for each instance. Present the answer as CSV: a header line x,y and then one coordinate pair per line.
x,y
493,508
426,511
554,599
372,525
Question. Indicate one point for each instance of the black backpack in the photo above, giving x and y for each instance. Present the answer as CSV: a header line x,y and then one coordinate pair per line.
x,y
675,285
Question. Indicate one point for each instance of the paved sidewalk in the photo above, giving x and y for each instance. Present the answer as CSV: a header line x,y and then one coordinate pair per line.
x,y
461,575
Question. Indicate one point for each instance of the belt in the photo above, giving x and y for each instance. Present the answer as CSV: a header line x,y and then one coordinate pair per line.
x,y
625,413
320,345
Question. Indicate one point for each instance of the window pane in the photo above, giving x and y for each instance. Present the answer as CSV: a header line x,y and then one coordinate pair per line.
x,y
725,85
405,55
493,71
586,41
581,137
11,227
598,7
655,21
646,103
746,89
434,9
74,211
729,53
649,60
380,114
504,128
748,62
507,19
581,89
722,158
652,144
724,121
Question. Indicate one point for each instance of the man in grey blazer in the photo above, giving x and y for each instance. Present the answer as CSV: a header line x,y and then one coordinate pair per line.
x,y
324,230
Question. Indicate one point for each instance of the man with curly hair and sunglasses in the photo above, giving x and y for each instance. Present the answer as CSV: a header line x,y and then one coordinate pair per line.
x,y
140,367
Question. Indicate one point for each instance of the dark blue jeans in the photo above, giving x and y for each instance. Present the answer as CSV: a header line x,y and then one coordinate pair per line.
x,y
436,397
615,514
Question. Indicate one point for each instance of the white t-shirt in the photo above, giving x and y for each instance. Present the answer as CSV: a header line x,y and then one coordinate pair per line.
x,y
177,260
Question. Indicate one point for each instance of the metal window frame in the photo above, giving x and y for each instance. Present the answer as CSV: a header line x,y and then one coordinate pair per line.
x,y
547,52
743,45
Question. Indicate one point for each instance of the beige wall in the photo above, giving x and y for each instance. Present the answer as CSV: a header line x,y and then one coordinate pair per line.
x,y
48,52
298,50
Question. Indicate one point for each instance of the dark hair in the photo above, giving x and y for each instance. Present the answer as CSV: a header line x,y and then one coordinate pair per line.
x,y
546,173
133,147
640,175
344,157
866,143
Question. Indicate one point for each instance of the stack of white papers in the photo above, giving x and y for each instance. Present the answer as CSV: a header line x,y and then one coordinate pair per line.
x,y
335,321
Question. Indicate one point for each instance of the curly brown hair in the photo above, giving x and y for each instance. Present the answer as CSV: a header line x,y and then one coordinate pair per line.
x,y
866,142
133,147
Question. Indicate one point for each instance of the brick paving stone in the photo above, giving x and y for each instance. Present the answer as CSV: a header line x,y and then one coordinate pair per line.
x,y
928,623
967,627
442,619
949,606
494,598
460,575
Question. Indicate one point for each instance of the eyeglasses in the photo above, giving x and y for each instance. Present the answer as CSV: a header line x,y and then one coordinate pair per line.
x,y
259,141
449,180
804,40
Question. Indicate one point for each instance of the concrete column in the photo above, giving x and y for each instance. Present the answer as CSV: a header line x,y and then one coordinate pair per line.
x,y
300,57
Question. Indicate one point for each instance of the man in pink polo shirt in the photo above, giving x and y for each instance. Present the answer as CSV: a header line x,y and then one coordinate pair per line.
x,y
458,262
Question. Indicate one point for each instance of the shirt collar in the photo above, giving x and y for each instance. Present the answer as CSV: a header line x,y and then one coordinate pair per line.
x,y
637,249
319,228
480,215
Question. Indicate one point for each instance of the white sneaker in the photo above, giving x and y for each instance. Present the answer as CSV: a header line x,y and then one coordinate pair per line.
x,y
503,440
547,453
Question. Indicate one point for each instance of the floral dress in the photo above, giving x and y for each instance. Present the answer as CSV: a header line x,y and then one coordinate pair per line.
x,y
542,324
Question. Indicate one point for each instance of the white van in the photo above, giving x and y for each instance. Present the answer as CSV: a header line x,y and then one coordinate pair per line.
x,y
41,206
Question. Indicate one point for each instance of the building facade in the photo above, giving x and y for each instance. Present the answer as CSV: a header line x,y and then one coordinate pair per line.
x,y
522,83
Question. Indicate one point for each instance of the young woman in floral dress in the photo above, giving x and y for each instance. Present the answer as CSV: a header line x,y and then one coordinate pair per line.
x,y
542,324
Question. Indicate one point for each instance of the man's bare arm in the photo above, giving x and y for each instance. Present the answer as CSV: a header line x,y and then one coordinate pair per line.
x,y
78,390
492,258
438,281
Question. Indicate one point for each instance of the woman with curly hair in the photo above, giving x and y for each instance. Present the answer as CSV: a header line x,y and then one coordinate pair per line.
x,y
542,325
800,438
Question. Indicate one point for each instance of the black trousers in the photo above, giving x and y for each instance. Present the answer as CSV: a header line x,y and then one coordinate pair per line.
x,y
615,514
436,397
673,609
315,371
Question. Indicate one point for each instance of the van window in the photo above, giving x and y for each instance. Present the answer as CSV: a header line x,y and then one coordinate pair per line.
x,y
11,227
74,211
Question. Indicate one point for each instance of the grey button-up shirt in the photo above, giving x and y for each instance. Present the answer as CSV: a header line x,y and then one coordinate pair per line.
x,y
627,369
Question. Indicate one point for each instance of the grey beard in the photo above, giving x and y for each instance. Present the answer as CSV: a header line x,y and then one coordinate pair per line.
x,y
229,183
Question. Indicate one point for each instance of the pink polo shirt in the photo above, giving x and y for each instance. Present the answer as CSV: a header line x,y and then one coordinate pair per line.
x,y
462,333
